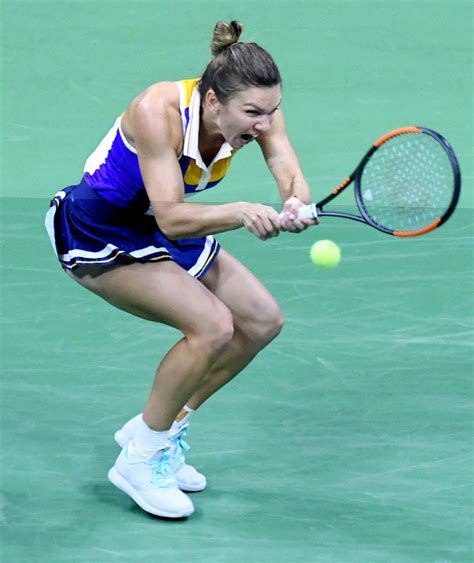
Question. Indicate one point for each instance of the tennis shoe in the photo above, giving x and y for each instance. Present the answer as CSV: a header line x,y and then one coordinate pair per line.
x,y
151,484
188,478
127,432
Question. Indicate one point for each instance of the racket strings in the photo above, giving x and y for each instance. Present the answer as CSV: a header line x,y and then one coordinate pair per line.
x,y
408,183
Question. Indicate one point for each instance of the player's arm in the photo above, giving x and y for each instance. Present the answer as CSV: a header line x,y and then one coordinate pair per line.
x,y
283,163
158,137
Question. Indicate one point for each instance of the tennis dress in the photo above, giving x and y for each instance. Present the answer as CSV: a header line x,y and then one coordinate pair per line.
x,y
108,215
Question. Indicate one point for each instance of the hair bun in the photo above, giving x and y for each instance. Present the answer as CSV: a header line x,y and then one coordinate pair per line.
x,y
225,34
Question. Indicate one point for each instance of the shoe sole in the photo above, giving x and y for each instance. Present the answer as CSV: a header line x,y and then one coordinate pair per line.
x,y
190,488
121,440
115,478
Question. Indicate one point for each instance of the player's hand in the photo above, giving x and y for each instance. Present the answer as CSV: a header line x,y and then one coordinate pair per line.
x,y
261,220
289,216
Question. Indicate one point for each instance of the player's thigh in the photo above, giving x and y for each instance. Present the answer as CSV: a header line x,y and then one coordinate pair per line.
x,y
251,303
161,292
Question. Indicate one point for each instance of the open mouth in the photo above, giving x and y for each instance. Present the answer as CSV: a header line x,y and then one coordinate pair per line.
x,y
246,137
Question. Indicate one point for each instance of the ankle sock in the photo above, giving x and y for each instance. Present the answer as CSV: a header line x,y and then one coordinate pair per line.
x,y
146,442
181,419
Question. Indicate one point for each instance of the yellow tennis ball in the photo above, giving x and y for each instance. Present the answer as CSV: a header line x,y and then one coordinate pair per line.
x,y
325,253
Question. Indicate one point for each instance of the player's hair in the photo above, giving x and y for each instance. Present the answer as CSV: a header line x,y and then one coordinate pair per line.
x,y
236,65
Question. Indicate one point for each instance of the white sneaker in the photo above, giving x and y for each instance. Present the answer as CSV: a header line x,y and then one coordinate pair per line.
x,y
151,484
188,478
127,432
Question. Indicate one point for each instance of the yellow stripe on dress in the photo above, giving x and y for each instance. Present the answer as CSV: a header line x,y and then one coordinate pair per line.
x,y
210,257
188,87
219,169
164,257
193,174
113,257
77,262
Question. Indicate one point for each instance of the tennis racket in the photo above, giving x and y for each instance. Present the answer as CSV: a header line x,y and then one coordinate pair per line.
x,y
407,184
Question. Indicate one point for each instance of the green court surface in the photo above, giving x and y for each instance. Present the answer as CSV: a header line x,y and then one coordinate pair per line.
x,y
350,438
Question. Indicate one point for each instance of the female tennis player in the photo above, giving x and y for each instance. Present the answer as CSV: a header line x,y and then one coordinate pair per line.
x,y
128,234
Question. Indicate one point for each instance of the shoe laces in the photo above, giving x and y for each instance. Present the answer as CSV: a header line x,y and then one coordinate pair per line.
x,y
162,474
179,445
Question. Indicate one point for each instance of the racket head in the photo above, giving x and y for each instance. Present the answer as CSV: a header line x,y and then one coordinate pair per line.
x,y
408,183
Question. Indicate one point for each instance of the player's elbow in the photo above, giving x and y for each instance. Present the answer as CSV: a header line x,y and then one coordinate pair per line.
x,y
167,219
170,230
175,229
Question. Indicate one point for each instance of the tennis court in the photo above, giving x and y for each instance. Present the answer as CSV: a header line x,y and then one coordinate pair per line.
x,y
350,438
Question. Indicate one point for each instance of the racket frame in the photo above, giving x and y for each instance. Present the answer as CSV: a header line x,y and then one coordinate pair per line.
x,y
316,210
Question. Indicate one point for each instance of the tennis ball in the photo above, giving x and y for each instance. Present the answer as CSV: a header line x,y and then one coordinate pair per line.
x,y
325,253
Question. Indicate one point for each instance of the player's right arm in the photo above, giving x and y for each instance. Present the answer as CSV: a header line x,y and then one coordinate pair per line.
x,y
156,128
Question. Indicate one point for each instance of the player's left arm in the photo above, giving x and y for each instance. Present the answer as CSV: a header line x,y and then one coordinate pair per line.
x,y
283,163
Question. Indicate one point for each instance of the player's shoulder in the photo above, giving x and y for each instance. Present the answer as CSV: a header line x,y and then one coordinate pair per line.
x,y
155,113
161,98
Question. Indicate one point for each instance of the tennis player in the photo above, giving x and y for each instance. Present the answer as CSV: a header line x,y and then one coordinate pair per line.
x,y
128,233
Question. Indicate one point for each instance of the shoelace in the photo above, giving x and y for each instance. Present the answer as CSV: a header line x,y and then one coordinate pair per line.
x,y
179,446
162,474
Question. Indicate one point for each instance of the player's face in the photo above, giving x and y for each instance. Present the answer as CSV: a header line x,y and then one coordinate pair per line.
x,y
248,114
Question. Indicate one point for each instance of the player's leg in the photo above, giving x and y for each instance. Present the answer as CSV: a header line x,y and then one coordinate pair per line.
x,y
257,321
167,294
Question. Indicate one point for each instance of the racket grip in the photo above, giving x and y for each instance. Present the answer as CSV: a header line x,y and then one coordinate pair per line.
x,y
308,212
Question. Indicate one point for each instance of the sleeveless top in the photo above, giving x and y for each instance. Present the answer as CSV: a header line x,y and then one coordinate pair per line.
x,y
113,171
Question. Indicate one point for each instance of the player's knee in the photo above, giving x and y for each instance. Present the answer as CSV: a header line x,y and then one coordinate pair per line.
x,y
224,329
275,322
268,324
216,330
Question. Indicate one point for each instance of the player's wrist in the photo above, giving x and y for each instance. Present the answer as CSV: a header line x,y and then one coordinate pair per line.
x,y
296,198
242,211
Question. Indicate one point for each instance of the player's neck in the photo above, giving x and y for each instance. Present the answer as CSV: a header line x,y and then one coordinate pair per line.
x,y
210,138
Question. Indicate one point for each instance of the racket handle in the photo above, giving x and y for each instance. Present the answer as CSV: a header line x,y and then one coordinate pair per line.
x,y
307,212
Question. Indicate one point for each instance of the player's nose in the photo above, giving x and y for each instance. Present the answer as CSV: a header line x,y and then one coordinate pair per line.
x,y
263,124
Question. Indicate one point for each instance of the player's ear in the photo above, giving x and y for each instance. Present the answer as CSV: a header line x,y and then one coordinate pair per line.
x,y
211,102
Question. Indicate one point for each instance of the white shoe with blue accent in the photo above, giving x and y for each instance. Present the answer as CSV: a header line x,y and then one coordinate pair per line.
x,y
151,484
188,478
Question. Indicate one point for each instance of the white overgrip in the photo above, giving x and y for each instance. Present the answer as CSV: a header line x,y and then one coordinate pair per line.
x,y
306,212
